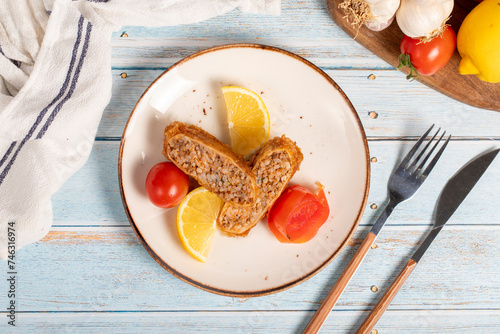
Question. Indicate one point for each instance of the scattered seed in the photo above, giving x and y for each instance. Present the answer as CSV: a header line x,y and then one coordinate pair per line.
x,y
371,77
124,75
374,246
374,288
373,206
124,34
374,331
372,114
374,159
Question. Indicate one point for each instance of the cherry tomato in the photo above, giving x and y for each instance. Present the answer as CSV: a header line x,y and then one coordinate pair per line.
x,y
297,214
427,58
166,185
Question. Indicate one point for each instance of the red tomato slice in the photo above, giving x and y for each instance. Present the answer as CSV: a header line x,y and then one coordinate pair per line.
x,y
298,214
279,214
316,220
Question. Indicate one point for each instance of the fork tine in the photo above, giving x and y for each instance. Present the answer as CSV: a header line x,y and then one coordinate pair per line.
x,y
436,158
414,149
421,166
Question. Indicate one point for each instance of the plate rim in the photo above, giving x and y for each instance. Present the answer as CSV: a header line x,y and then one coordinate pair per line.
x,y
264,292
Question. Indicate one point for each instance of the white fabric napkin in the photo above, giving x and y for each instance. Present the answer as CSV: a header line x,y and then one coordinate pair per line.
x,y
55,81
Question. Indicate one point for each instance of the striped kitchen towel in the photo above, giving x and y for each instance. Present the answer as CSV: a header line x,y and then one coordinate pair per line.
x,y
55,81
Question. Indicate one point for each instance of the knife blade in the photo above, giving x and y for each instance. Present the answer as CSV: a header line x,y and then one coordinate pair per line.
x,y
453,194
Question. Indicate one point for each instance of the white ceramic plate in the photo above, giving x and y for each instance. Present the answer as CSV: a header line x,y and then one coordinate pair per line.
x,y
305,104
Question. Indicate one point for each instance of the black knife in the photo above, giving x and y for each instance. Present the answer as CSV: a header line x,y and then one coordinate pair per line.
x,y
451,197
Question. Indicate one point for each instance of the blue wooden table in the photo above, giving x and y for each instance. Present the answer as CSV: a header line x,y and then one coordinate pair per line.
x,y
90,274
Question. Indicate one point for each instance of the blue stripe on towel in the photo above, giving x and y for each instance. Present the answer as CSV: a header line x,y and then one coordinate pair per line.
x,y
72,87
11,147
61,92
97,1
15,62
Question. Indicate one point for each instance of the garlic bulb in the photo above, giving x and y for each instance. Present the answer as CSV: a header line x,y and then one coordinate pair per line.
x,y
375,14
423,18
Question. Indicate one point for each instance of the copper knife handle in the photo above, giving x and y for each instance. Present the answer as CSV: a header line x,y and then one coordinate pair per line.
x,y
386,299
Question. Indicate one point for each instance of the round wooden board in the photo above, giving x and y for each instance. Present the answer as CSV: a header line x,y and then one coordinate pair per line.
x,y
385,44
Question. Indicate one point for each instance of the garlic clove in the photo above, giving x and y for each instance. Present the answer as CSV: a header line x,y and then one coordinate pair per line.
x,y
424,3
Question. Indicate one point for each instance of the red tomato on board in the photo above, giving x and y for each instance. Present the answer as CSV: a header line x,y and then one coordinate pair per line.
x,y
427,58
166,185
297,214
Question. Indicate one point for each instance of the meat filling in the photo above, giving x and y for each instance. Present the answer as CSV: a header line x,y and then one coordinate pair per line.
x,y
272,175
273,166
210,169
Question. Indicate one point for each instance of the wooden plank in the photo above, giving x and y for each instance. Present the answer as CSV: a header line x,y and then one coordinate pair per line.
x,y
304,18
328,53
431,322
402,108
420,208
107,269
91,196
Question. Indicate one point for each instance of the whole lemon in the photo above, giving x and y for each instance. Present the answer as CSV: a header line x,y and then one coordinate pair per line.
x,y
478,42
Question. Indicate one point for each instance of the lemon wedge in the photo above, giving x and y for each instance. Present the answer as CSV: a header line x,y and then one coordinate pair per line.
x,y
196,222
248,119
